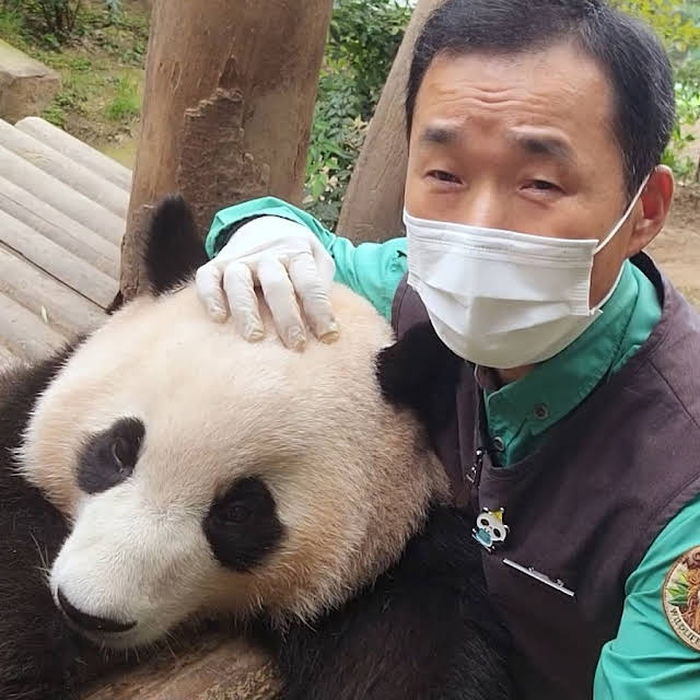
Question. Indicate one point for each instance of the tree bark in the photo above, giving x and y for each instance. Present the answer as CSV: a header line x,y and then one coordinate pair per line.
x,y
374,200
229,95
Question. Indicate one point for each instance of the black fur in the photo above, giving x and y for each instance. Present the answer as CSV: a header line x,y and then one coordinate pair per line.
x,y
423,631
421,373
242,526
109,457
173,250
40,657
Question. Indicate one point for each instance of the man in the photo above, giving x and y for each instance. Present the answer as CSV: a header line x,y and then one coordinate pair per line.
x,y
533,184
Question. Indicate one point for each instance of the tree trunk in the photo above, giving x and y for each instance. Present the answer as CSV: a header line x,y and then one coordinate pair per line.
x,y
374,200
228,101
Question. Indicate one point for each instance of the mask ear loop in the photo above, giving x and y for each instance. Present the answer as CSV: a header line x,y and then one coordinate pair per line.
x,y
624,218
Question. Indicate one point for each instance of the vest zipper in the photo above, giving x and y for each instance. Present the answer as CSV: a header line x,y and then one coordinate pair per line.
x,y
474,477
474,473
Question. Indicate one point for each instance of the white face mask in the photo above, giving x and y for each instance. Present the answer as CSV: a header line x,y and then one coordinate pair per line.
x,y
503,299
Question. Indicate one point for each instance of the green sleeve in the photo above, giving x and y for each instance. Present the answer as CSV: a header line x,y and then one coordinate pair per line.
x,y
373,270
647,660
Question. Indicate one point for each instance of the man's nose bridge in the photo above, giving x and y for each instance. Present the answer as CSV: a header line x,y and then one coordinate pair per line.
x,y
483,205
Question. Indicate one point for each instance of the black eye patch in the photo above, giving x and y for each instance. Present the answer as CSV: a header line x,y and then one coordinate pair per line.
x,y
109,457
242,526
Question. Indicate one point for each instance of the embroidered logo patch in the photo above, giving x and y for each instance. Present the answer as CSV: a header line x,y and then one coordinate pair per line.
x,y
681,598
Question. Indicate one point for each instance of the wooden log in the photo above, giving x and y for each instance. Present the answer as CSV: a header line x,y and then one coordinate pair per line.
x,y
59,228
229,96
56,261
60,196
58,306
214,669
77,150
68,171
373,204
24,334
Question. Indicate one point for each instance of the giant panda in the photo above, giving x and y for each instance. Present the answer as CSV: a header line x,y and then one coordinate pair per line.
x,y
162,469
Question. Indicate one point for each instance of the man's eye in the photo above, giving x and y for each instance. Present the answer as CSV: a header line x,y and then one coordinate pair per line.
x,y
443,176
543,185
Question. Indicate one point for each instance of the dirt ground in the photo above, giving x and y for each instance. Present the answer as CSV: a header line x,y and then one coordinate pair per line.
x,y
677,248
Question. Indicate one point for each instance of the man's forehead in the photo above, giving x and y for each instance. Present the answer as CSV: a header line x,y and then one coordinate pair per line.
x,y
557,87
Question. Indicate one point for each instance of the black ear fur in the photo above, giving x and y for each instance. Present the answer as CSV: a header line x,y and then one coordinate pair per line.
x,y
174,251
421,373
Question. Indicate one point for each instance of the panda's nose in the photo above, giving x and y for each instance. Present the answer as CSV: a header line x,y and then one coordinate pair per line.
x,y
90,623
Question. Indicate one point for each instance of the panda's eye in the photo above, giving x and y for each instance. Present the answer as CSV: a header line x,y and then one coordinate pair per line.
x,y
122,455
109,457
242,526
236,513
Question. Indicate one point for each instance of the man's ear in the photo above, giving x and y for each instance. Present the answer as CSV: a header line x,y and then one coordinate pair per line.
x,y
656,204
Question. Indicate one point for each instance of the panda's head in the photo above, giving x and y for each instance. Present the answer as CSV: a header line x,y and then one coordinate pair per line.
x,y
204,474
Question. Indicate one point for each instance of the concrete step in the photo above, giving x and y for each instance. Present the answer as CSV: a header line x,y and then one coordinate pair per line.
x,y
77,151
59,228
24,334
56,261
54,163
58,306
61,196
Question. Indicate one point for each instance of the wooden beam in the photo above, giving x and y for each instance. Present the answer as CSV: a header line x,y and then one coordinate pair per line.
x,y
229,96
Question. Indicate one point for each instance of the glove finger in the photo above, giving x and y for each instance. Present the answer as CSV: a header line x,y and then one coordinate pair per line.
x,y
281,299
314,296
325,265
243,301
208,283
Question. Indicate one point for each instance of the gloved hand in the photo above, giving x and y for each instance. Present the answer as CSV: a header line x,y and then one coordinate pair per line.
x,y
288,263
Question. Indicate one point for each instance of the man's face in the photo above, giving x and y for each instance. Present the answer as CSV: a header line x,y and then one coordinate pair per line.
x,y
522,142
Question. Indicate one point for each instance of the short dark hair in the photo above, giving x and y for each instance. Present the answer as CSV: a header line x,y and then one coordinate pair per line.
x,y
627,50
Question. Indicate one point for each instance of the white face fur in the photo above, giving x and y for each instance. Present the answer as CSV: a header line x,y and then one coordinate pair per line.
x,y
205,474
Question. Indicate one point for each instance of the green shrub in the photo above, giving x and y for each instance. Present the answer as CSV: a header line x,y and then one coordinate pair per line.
x,y
688,114
363,40
126,103
676,22
52,22
672,20
55,114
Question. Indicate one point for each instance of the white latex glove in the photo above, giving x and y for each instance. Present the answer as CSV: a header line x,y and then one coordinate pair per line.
x,y
288,263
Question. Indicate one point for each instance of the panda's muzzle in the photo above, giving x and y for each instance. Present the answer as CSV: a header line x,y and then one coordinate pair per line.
x,y
90,623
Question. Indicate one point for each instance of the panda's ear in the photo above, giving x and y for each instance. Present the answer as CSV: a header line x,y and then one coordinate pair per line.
x,y
174,251
421,373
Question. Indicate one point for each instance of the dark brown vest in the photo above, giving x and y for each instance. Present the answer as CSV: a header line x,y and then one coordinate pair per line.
x,y
585,507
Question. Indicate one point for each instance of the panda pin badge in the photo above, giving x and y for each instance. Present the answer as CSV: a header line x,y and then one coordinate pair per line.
x,y
490,530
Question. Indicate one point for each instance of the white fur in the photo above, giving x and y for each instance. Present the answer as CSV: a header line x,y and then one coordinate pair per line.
x,y
350,475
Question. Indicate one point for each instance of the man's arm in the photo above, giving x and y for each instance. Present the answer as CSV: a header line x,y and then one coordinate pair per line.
x,y
648,660
373,270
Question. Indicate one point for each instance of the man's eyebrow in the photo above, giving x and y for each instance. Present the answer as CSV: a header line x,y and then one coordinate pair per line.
x,y
544,146
441,135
